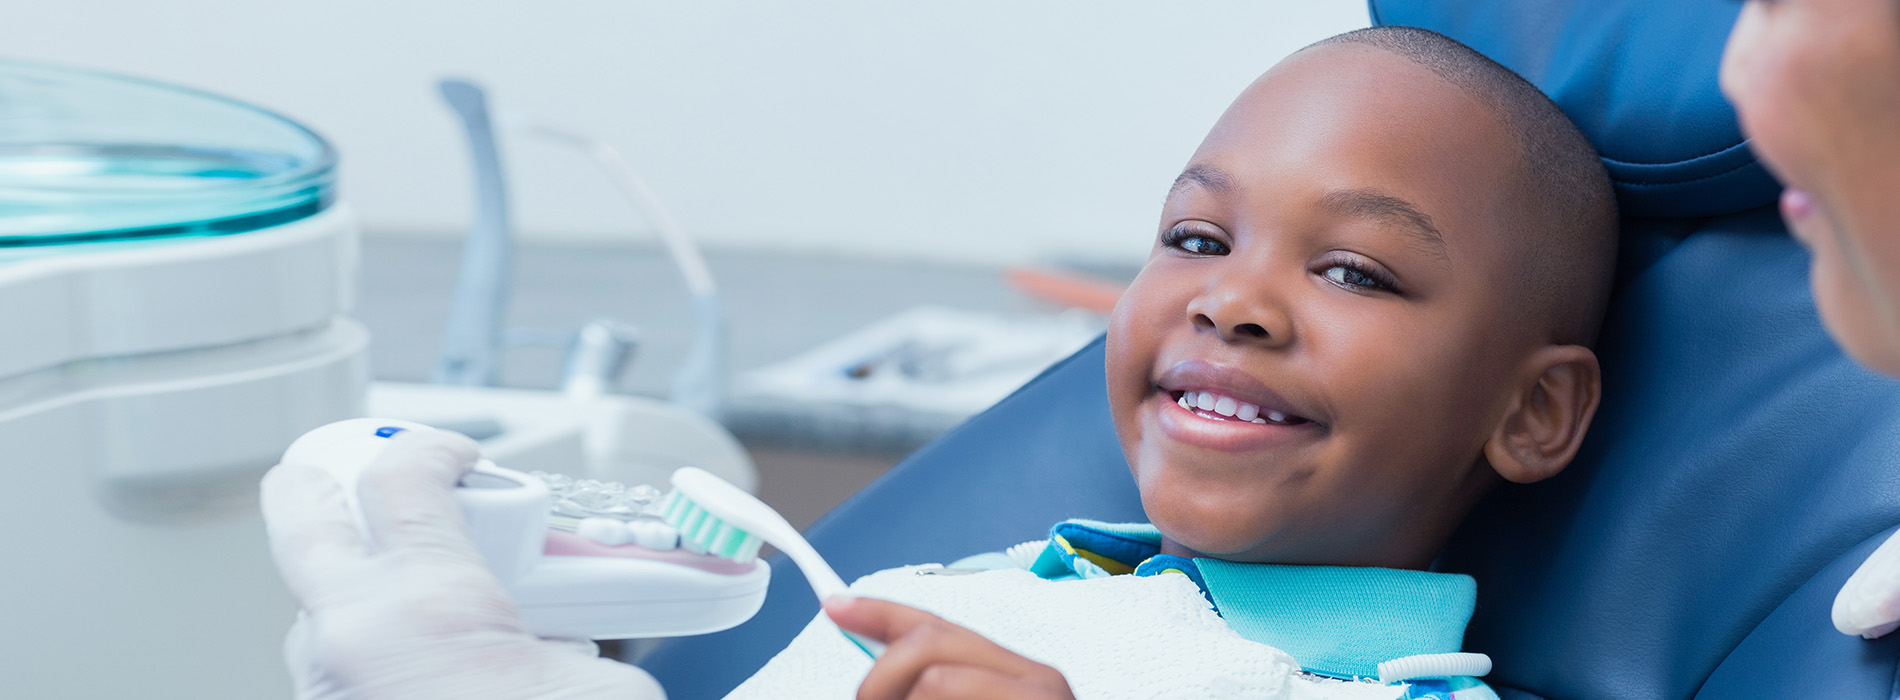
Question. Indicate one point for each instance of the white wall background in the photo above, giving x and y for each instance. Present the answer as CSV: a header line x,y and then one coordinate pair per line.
x,y
977,130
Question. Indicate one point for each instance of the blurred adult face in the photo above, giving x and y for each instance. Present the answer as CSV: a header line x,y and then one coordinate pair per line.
x,y
1817,86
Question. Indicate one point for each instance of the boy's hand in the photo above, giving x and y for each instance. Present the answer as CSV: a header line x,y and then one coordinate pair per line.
x,y
928,659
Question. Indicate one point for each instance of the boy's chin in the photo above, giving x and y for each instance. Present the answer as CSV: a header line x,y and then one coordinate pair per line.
x,y
1189,534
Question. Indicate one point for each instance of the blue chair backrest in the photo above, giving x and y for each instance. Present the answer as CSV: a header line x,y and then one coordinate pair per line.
x,y
1739,469
1740,466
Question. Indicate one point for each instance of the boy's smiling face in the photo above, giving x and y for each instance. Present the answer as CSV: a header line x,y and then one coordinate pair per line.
x,y
1334,271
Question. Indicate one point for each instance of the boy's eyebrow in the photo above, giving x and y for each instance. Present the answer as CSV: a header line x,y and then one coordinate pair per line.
x,y
1390,210
1206,176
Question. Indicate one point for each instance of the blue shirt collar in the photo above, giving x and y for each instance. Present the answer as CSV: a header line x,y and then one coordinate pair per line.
x,y
1338,621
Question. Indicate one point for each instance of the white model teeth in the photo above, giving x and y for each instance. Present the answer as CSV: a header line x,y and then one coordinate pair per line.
x,y
1276,417
607,531
653,534
1247,412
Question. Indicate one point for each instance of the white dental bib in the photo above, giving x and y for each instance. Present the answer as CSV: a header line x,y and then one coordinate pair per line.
x,y
1113,637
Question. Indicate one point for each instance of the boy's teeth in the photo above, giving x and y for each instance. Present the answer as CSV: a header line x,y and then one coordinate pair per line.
x,y
1226,406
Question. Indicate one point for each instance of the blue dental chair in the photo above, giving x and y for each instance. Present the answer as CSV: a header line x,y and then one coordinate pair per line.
x,y
1739,469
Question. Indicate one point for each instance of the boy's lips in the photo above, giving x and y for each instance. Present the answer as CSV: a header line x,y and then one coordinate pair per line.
x,y
1224,408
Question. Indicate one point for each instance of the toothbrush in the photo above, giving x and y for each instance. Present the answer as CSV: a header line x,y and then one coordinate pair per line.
x,y
717,518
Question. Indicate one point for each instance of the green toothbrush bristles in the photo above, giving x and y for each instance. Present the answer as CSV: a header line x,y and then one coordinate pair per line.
x,y
702,532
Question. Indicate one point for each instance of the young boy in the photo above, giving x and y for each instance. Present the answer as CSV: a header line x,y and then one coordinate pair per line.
x,y
1371,300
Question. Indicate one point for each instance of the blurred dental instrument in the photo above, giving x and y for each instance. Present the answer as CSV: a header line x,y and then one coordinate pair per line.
x,y
698,384
903,380
473,341
583,429
1066,288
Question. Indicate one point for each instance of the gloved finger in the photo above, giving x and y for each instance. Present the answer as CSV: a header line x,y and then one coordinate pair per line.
x,y
408,493
300,656
313,535
1869,604
580,647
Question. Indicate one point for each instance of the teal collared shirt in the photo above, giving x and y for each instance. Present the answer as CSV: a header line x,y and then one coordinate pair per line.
x,y
1336,621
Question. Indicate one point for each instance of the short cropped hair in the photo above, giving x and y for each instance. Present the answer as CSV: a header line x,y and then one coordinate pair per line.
x,y
1565,205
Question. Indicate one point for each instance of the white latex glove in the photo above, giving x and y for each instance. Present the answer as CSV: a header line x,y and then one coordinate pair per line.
x,y
418,615
1869,604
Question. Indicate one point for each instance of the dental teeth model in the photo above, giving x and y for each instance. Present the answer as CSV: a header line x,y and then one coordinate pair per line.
x,y
609,513
583,559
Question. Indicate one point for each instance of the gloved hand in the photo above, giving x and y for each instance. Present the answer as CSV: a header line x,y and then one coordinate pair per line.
x,y
1869,604
418,614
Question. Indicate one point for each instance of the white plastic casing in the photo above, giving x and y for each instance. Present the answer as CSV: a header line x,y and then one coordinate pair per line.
x,y
144,389
611,598
177,294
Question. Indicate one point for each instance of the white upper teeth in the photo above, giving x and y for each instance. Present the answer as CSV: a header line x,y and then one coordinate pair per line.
x,y
607,531
651,534
1228,406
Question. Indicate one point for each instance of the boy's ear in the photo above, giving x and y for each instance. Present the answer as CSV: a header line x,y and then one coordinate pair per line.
x,y
1555,399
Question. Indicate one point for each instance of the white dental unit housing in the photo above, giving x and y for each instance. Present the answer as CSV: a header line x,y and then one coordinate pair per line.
x,y
175,278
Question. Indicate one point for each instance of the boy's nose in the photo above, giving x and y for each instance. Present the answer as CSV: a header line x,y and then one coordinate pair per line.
x,y
1240,313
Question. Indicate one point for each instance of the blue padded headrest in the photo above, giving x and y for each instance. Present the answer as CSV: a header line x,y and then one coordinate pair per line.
x,y
1638,76
1739,468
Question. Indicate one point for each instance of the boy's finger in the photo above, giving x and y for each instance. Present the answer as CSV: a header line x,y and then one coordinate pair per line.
x,y
881,620
918,641
948,682
313,536
408,493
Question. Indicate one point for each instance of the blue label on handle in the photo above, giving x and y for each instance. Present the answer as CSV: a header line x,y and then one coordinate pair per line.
x,y
388,430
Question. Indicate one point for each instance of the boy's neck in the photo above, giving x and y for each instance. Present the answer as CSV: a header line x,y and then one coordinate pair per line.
x,y
1171,547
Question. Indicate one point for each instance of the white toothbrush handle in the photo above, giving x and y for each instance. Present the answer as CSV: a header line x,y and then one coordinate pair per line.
x,y
826,583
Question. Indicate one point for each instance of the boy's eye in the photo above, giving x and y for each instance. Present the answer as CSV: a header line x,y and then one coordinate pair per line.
x,y
1184,240
1352,277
